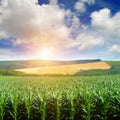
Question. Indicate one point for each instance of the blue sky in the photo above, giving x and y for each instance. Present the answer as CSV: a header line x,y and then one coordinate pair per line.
x,y
66,29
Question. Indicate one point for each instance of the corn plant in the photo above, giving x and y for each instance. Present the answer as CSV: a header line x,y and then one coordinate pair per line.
x,y
60,98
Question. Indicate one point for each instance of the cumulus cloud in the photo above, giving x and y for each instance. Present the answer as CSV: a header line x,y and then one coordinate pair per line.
x,y
34,25
30,22
71,20
86,41
105,23
115,49
3,35
53,2
80,5
108,25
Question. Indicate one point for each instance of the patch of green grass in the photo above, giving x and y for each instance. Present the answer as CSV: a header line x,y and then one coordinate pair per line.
x,y
114,64
5,72
115,70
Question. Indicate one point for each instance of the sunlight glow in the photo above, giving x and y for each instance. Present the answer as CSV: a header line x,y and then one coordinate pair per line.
x,y
45,54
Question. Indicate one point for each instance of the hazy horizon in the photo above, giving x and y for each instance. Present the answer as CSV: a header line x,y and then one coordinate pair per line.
x,y
59,59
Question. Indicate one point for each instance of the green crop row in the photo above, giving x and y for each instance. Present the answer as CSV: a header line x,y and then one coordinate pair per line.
x,y
60,98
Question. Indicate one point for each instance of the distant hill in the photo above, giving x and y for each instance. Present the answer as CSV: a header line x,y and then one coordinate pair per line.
x,y
115,70
20,64
7,68
64,69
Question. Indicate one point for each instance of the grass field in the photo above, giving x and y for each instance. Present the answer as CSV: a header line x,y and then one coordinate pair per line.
x,y
60,98
114,70
65,69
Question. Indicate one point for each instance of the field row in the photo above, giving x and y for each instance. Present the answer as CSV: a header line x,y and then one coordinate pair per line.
x,y
60,98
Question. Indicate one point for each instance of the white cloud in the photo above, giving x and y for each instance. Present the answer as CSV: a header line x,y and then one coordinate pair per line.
x,y
72,20
84,27
75,22
108,25
37,25
105,23
44,26
86,41
12,54
53,2
80,5
6,53
3,35
115,49
27,21
88,1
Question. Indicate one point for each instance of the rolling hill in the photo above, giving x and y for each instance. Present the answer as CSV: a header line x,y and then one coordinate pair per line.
x,y
20,64
65,69
76,67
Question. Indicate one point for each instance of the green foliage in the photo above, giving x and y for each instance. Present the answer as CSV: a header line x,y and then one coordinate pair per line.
x,y
5,72
60,98
115,70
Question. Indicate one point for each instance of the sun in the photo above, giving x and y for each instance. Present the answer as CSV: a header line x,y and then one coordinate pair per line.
x,y
45,53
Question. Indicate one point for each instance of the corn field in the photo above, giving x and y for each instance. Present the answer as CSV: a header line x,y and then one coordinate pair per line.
x,y
60,98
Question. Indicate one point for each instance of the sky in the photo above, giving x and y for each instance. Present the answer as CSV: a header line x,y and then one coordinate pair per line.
x,y
60,29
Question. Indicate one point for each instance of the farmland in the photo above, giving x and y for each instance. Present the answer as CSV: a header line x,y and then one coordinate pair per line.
x,y
8,68
20,64
86,95
65,69
114,70
60,98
